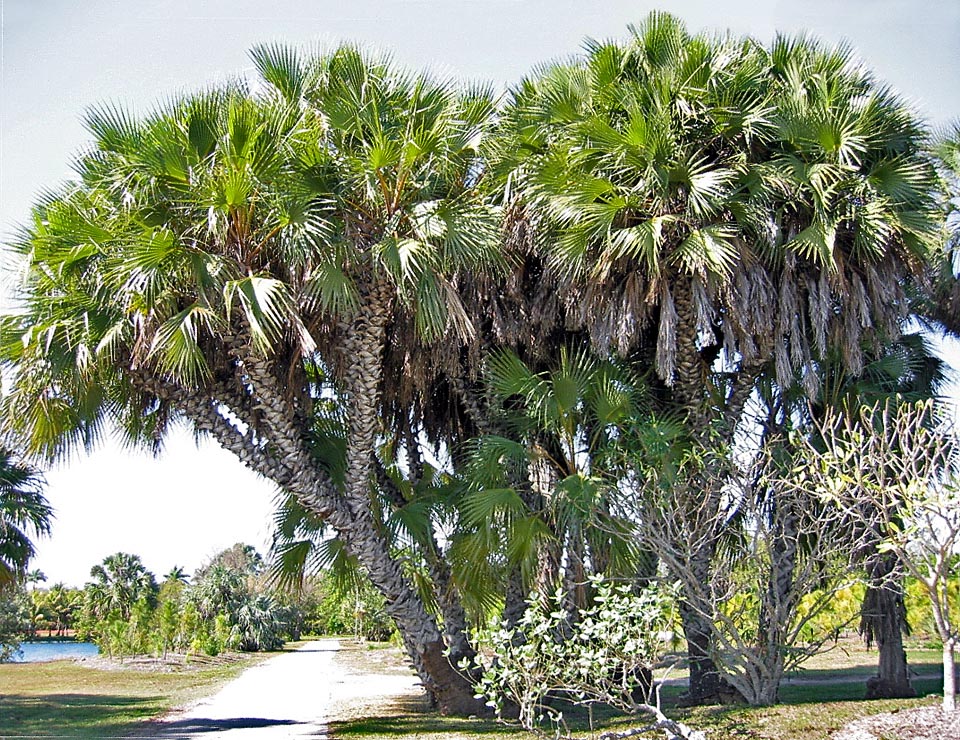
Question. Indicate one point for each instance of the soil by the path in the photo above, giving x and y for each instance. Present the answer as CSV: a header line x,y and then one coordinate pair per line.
x,y
293,695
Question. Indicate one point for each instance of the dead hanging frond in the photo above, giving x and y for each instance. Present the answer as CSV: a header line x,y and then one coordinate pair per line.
x,y
787,309
666,356
704,307
819,309
519,228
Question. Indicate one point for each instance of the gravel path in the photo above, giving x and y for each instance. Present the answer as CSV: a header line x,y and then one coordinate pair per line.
x,y
290,696
924,723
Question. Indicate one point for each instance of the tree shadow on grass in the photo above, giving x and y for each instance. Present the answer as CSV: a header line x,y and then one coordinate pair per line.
x,y
74,715
191,727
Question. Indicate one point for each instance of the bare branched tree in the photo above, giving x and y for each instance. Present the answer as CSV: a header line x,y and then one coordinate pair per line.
x,y
893,469
760,607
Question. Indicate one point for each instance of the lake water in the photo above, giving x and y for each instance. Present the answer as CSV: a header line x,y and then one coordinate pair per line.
x,y
35,652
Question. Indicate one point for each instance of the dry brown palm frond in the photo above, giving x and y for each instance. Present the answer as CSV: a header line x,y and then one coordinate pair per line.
x,y
666,357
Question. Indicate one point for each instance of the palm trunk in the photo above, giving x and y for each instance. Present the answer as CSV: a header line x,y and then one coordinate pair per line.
x,y
883,619
705,684
690,391
515,599
451,691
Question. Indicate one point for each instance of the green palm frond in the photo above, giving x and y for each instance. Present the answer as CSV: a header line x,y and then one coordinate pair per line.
x,y
269,311
412,520
708,251
642,243
816,243
331,289
176,344
283,67
492,504
114,128
24,513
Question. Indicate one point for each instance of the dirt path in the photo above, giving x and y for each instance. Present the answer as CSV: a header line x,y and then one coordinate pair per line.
x,y
291,696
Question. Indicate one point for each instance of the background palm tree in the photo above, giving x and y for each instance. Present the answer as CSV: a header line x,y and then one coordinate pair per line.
x,y
119,582
177,574
24,513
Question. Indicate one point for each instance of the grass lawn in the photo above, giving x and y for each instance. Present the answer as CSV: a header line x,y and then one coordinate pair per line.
x,y
816,702
72,700
66,699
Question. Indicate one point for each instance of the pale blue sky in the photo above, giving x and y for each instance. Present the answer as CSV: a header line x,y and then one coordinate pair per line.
x,y
61,56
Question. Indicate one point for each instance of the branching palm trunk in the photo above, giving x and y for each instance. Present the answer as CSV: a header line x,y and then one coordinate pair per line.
x,y
278,449
361,535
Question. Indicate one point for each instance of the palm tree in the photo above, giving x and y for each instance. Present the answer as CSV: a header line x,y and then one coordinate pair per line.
x,y
24,512
119,582
945,308
177,574
719,209
561,524
219,257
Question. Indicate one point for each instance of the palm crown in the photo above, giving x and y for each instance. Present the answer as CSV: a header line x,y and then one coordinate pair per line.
x,y
708,189
267,217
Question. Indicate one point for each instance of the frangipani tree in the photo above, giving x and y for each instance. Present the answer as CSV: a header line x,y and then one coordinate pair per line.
x,y
892,468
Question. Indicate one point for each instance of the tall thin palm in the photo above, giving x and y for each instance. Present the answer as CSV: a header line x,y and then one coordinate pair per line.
x,y
177,574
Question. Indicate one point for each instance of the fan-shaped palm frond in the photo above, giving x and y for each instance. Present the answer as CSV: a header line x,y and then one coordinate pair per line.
x,y
24,513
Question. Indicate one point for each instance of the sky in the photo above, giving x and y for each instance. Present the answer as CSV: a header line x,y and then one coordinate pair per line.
x,y
59,57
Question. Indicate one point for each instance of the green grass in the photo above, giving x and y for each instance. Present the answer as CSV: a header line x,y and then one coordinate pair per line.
x,y
66,699
817,701
70,700
815,718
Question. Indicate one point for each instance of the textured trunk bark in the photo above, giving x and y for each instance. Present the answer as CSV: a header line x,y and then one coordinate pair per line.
x,y
515,600
363,350
454,617
696,609
690,390
542,479
883,620
704,677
